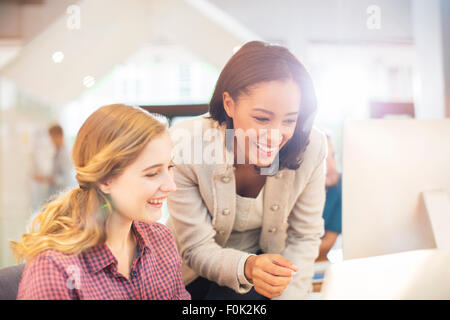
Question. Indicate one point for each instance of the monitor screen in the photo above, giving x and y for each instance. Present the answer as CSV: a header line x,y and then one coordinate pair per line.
x,y
387,165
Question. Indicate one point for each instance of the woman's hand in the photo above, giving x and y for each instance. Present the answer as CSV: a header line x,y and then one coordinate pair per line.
x,y
270,273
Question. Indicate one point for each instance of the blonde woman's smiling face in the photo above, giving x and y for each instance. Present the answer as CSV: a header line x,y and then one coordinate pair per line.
x,y
139,192
266,116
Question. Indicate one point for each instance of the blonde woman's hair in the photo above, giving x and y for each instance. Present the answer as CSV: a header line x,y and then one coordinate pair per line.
x,y
109,140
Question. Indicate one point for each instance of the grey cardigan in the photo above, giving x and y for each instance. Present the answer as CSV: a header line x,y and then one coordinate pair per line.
x,y
203,208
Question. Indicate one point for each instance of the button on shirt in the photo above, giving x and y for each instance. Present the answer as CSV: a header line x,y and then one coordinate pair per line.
x,y
247,229
155,272
247,224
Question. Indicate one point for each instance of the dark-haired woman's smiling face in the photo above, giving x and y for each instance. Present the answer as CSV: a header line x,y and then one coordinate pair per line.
x,y
266,117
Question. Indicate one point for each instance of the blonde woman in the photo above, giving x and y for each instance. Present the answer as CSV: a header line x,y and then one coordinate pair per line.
x,y
101,240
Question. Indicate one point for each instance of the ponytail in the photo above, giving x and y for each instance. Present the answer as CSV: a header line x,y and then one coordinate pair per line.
x,y
70,224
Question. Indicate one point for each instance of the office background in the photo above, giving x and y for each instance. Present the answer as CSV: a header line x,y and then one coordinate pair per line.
x,y
60,60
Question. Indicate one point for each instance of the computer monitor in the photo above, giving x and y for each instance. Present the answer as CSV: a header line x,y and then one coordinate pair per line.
x,y
387,165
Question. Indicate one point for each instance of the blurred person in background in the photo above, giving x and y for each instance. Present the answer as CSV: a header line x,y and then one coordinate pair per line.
x,y
101,240
332,213
62,173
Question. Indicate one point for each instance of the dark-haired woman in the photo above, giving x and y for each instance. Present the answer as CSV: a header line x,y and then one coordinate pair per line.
x,y
249,227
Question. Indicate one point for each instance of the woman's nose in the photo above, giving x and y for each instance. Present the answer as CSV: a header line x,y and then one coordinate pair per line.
x,y
274,135
168,184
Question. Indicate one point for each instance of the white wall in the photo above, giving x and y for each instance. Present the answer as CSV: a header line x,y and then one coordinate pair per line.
x,y
21,119
295,22
432,82
426,24
445,16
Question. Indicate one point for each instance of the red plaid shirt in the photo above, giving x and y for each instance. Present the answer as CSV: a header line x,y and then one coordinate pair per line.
x,y
155,272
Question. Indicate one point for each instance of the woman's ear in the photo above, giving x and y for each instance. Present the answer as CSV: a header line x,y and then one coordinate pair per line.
x,y
228,104
105,186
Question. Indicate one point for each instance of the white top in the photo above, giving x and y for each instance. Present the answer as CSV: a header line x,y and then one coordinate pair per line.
x,y
247,224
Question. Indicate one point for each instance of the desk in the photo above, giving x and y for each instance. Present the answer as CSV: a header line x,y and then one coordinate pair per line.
x,y
411,275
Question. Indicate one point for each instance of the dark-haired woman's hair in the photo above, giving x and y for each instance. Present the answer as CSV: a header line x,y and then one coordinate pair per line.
x,y
257,62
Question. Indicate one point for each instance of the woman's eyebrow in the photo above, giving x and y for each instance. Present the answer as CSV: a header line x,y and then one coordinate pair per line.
x,y
271,113
263,110
153,166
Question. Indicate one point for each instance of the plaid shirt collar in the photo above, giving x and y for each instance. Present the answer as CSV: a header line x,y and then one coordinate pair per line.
x,y
100,256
